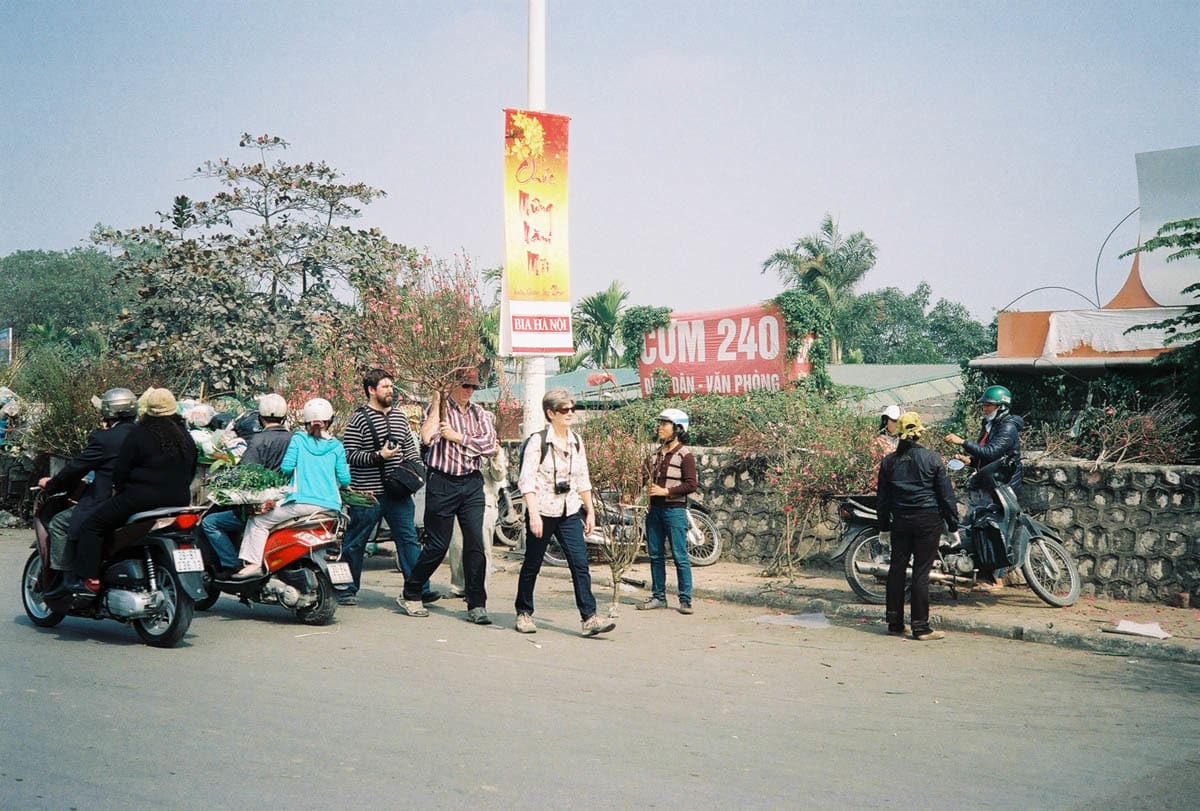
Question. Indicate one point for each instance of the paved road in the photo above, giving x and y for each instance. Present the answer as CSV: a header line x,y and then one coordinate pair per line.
x,y
713,710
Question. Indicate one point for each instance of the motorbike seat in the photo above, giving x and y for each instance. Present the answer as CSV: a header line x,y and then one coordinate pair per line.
x,y
317,516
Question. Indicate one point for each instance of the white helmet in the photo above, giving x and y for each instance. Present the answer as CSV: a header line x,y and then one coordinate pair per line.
x,y
892,412
272,406
318,408
676,417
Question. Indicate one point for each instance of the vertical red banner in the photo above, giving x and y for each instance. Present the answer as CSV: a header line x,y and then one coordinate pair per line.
x,y
536,305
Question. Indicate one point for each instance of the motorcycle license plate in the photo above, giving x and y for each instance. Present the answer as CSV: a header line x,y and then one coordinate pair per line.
x,y
188,560
340,573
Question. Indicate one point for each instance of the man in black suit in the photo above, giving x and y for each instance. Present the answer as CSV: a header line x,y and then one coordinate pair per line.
x,y
118,410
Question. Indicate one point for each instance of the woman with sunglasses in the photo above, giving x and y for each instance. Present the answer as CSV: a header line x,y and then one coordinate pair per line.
x,y
558,504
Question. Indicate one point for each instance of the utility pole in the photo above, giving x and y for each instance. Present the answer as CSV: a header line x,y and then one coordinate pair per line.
x,y
534,367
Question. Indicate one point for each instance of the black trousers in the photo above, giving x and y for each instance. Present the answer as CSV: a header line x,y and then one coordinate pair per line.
x,y
447,499
107,516
915,535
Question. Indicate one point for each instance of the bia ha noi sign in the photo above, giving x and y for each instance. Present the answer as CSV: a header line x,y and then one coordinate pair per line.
x,y
730,351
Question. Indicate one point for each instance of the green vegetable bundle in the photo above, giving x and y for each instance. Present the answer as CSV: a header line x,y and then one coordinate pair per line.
x,y
355,498
246,484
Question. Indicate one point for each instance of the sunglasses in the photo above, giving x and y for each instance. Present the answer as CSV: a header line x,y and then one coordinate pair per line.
x,y
565,409
471,386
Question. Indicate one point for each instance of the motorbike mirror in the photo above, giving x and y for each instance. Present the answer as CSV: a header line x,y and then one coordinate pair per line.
x,y
955,465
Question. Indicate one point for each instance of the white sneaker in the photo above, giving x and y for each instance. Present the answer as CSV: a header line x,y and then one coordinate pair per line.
x,y
413,608
592,626
525,624
651,603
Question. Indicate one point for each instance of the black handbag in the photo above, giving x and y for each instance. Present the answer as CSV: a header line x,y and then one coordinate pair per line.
x,y
403,480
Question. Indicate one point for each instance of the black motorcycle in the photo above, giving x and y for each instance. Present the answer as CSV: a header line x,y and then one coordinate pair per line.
x,y
995,534
151,574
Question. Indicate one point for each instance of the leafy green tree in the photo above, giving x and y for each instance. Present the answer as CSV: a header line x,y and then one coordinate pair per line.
x,y
58,297
230,289
957,335
889,326
828,265
636,322
597,320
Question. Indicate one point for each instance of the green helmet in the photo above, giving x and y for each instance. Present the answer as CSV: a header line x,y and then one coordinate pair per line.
x,y
996,395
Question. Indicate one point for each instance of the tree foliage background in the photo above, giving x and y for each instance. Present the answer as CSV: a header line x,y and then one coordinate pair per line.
x,y
229,289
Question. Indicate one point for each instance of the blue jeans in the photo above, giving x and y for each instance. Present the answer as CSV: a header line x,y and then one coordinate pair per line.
x,y
399,514
218,529
663,523
569,531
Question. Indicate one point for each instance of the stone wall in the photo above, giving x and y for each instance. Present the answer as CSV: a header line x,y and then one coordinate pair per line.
x,y
1135,529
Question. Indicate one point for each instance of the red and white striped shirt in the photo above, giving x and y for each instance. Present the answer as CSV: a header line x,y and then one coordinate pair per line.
x,y
478,439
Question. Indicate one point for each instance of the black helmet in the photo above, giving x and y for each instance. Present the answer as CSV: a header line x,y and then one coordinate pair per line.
x,y
118,403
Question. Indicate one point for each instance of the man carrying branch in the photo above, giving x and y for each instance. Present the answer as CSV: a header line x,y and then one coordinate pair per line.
x,y
460,435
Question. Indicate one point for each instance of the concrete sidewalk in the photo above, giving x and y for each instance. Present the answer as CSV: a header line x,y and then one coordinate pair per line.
x,y
1013,612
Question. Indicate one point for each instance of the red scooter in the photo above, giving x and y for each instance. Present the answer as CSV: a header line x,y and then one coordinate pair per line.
x,y
298,576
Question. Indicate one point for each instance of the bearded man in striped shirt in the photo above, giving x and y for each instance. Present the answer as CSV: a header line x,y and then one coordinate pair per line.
x,y
459,441
371,453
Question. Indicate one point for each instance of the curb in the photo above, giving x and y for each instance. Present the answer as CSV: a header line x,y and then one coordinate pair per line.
x,y
843,613
1043,633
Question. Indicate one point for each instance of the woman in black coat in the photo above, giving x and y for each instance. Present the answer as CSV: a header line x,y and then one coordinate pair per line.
x,y
154,469
914,501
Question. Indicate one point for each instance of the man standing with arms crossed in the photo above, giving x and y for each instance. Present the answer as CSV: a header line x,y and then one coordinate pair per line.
x,y
459,441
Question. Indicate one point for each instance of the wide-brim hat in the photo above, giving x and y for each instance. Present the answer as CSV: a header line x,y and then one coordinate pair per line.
x,y
468,376
157,403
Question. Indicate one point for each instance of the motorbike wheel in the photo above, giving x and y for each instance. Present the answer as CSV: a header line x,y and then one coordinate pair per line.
x,y
510,522
36,609
321,612
555,556
168,627
703,539
1051,572
866,550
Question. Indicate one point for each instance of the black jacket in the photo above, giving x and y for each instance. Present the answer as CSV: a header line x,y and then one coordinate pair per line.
x,y
149,476
267,447
914,478
1003,440
99,455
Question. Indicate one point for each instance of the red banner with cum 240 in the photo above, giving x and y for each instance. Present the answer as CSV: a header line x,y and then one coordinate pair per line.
x,y
731,351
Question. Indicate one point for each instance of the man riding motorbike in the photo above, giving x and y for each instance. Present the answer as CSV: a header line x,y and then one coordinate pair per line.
x,y
118,408
267,448
999,437
154,468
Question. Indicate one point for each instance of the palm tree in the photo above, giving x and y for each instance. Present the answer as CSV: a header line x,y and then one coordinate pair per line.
x,y
597,323
827,265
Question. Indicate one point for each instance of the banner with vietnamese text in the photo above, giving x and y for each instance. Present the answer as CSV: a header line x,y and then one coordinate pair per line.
x,y
723,352
535,310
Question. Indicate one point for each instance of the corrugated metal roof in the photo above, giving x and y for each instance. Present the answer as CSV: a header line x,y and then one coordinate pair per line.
x,y
929,388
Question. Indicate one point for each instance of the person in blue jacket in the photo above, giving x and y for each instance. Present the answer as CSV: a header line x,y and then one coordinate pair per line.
x,y
318,466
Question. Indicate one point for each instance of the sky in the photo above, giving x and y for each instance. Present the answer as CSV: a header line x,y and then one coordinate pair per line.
x,y
986,148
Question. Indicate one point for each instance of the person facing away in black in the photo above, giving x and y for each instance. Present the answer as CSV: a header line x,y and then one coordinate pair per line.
x,y
154,468
914,498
